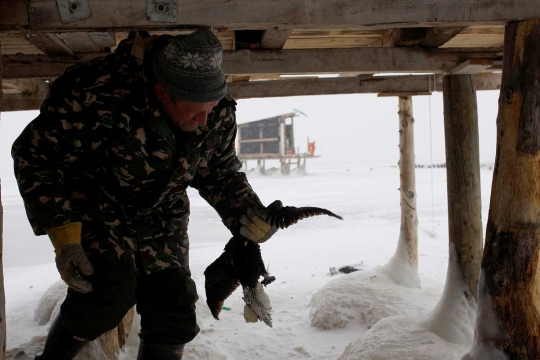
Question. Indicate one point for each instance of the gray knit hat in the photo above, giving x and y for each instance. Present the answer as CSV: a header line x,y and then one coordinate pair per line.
x,y
189,67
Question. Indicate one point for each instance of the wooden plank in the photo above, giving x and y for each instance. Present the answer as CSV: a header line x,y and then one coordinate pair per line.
x,y
328,43
49,43
439,36
326,61
79,42
275,38
404,93
13,44
103,39
471,67
252,62
401,37
21,102
26,86
331,86
43,15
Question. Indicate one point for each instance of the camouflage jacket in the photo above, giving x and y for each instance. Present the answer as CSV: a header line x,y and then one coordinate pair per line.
x,y
101,152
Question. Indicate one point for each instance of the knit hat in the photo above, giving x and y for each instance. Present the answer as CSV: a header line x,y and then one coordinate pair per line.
x,y
189,67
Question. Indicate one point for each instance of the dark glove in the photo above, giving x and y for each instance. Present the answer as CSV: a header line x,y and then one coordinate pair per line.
x,y
255,226
71,261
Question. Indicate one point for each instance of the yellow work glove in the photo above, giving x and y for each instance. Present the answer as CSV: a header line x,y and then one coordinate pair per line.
x,y
71,260
255,226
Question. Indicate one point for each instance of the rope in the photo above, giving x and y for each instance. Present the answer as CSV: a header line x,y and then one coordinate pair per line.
x,y
432,234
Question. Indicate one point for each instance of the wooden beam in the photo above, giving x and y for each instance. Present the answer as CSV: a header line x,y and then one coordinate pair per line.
x,y
49,43
439,36
305,61
404,93
401,37
471,67
26,86
415,84
275,38
509,282
43,15
21,102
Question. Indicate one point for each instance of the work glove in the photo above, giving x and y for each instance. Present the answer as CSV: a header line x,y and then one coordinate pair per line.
x,y
71,261
255,226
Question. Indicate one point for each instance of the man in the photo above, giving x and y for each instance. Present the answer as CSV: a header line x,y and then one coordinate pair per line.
x,y
103,170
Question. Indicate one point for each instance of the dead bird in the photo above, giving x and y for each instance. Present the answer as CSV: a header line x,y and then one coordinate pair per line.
x,y
241,262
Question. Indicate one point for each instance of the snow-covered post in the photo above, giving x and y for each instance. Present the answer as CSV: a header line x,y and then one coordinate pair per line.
x,y
2,295
453,317
403,267
463,177
508,320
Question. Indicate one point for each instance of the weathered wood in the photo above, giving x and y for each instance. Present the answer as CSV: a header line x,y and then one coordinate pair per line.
x,y
463,176
103,39
351,85
79,42
3,337
401,37
261,14
471,67
275,38
49,43
21,102
307,61
313,86
510,265
439,36
404,93
407,181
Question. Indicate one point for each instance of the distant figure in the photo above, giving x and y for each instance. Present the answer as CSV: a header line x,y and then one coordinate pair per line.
x,y
103,170
311,148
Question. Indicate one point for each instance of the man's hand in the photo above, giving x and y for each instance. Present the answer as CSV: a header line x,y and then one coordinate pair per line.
x,y
255,226
71,261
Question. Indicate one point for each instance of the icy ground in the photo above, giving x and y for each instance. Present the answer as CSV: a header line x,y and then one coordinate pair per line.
x,y
357,322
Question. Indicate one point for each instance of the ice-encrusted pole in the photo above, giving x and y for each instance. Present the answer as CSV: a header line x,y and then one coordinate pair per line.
x,y
508,321
403,266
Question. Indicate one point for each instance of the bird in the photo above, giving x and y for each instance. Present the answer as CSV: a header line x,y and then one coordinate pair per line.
x,y
241,262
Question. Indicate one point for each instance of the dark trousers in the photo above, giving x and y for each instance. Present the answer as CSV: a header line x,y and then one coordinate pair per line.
x,y
165,300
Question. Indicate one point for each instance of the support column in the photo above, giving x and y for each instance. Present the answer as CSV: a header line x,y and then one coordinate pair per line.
x,y
407,180
2,295
403,267
508,323
463,177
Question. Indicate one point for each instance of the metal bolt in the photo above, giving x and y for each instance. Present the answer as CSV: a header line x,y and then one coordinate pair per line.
x,y
161,7
74,6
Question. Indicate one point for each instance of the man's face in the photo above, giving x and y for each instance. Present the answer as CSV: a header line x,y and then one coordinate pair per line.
x,y
187,115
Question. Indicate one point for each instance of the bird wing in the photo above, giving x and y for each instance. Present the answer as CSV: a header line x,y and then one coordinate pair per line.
x,y
289,215
221,279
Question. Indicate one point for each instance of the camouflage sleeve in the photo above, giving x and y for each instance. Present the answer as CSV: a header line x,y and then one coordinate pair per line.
x,y
42,154
220,181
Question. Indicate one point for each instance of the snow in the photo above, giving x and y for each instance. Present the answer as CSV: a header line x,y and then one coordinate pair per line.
x,y
400,269
453,318
488,329
362,315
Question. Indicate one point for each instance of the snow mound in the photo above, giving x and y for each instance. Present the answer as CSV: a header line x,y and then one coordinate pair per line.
x,y
403,338
48,303
366,297
400,269
453,317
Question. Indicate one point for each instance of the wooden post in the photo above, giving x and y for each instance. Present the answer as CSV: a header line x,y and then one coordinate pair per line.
x,y
2,295
403,267
463,176
407,179
508,290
